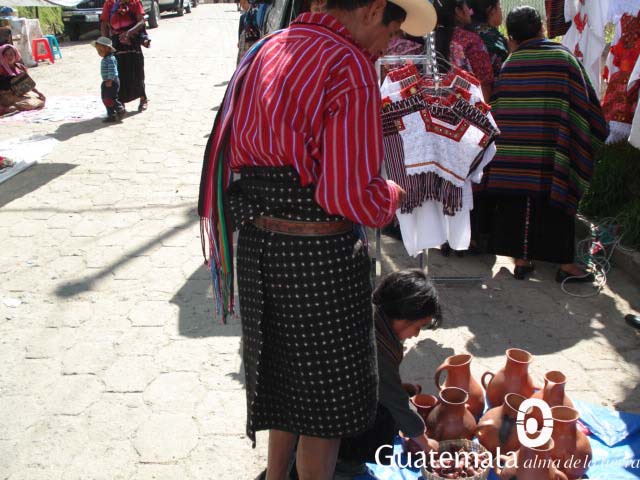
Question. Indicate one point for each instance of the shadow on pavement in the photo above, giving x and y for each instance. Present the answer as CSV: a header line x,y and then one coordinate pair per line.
x,y
70,130
31,179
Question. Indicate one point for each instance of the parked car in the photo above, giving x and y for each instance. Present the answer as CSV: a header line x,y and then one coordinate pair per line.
x,y
85,16
179,6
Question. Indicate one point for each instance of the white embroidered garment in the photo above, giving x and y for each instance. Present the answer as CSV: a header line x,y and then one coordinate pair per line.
x,y
585,37
634,136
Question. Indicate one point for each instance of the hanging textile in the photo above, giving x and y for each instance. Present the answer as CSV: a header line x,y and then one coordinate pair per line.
x,y
438,136
585,37
619,103
556,23
634,82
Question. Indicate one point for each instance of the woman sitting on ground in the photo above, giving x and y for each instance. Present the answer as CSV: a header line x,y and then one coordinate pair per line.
x,y
13,96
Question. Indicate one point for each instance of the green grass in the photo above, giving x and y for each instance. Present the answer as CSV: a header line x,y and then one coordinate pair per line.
x,y
50,18
615,190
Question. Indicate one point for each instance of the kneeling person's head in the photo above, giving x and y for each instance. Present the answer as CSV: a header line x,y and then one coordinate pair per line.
x,y
409,301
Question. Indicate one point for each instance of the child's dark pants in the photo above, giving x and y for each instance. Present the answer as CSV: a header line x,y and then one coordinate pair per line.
x,y
110,97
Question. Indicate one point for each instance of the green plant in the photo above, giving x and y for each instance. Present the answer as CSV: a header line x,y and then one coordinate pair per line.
x,y
615,190
50,18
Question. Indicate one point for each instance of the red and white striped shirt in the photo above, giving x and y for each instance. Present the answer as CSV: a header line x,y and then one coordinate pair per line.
x,y
311,100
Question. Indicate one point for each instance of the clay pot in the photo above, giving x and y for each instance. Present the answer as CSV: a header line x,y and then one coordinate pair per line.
x,y
512,378
532,464
458,368
571,446
424,403
450,419
553,390
497,427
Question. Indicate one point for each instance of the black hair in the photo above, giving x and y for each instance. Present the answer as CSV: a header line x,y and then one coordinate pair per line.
x,y
480,9
393,13
408,295
524,23
446,10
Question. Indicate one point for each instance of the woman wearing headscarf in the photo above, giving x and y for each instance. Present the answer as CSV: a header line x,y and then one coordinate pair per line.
x,y
122,20
17,89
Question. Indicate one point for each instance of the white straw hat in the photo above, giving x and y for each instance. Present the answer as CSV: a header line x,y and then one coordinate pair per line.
x,y
104,41
421,16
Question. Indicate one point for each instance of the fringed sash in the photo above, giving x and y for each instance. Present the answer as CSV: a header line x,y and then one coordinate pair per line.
x,y
215,222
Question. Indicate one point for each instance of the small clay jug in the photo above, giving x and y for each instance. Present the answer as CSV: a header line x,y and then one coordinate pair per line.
x,y
450,419
497,427
571,447
512,378
424,403
458,368
553,391
531,464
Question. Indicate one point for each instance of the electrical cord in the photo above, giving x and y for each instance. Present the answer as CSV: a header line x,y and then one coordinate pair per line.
x,y
595,252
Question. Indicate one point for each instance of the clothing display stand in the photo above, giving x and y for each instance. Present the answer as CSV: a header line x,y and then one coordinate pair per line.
x,y
427,65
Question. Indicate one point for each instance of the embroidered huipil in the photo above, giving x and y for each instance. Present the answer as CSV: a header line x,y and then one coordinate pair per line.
x,y
315,106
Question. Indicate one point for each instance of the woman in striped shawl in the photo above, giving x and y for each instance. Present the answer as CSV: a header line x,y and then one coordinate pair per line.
x,y
552,126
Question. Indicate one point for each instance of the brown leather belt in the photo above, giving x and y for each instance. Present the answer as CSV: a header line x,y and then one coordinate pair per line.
x,y
303,229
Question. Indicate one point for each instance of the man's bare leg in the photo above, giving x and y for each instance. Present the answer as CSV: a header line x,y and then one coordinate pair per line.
x,y
316,458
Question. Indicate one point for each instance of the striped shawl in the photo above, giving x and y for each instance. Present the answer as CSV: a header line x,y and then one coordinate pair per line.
x,y
551,123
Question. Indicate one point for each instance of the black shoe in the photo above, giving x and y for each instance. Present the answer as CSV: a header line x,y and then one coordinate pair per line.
x,y
587,277
633,320
111,119
522,271
445,249
262,475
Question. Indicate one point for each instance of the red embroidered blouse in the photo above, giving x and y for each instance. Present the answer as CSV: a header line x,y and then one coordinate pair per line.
x,y
121,16
469,52
311,100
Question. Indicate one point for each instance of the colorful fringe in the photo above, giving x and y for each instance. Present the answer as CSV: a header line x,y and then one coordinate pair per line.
x,y
216,232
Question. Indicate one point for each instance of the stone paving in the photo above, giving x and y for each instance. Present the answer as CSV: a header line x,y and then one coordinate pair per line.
x,y
112,364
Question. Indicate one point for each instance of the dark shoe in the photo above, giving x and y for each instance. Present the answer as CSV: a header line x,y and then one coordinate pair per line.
x,y
459,253
445,249
633,320
111,119
587,277
143,105
521,272
262,475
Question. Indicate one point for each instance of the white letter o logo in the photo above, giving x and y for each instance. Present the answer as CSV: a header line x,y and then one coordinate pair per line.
x,y
526,429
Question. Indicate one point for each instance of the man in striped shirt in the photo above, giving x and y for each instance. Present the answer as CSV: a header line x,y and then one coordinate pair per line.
x,y
305,133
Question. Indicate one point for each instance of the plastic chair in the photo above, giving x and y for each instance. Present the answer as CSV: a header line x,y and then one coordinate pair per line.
x,y
36,45
54,45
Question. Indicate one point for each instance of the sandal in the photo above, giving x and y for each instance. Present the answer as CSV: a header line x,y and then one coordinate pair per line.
x,y
143,105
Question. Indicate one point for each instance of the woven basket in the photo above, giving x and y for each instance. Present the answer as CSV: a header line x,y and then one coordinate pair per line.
x,y
467,445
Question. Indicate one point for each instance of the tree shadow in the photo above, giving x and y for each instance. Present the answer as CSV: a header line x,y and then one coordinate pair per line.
x,y
31,179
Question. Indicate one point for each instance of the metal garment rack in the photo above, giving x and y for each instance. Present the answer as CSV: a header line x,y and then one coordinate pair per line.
x,y
429,67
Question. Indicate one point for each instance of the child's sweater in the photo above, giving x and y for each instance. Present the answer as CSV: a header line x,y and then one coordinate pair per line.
x,y
109,67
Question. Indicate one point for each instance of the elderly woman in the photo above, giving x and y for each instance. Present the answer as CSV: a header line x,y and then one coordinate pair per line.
x,y
122,20
17,89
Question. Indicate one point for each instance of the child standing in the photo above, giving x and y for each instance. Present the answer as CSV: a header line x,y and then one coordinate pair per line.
x,y
110,81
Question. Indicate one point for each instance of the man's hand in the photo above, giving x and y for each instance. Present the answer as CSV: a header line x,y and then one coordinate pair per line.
x,y
401,192
426,444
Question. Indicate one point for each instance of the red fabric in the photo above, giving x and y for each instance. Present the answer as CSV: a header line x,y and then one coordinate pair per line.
x,y
471,55
124,16
311,100
556,25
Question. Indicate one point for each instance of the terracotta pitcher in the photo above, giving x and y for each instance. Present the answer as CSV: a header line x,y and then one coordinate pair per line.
x,y
458,368
424,403
497,427
571,447
512,378
553,390
450,419
531,464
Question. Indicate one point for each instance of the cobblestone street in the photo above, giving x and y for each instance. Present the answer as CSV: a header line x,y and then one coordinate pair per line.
x,y
113,366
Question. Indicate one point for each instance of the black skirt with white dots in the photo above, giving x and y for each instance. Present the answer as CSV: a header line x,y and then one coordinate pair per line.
x,y
305,305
